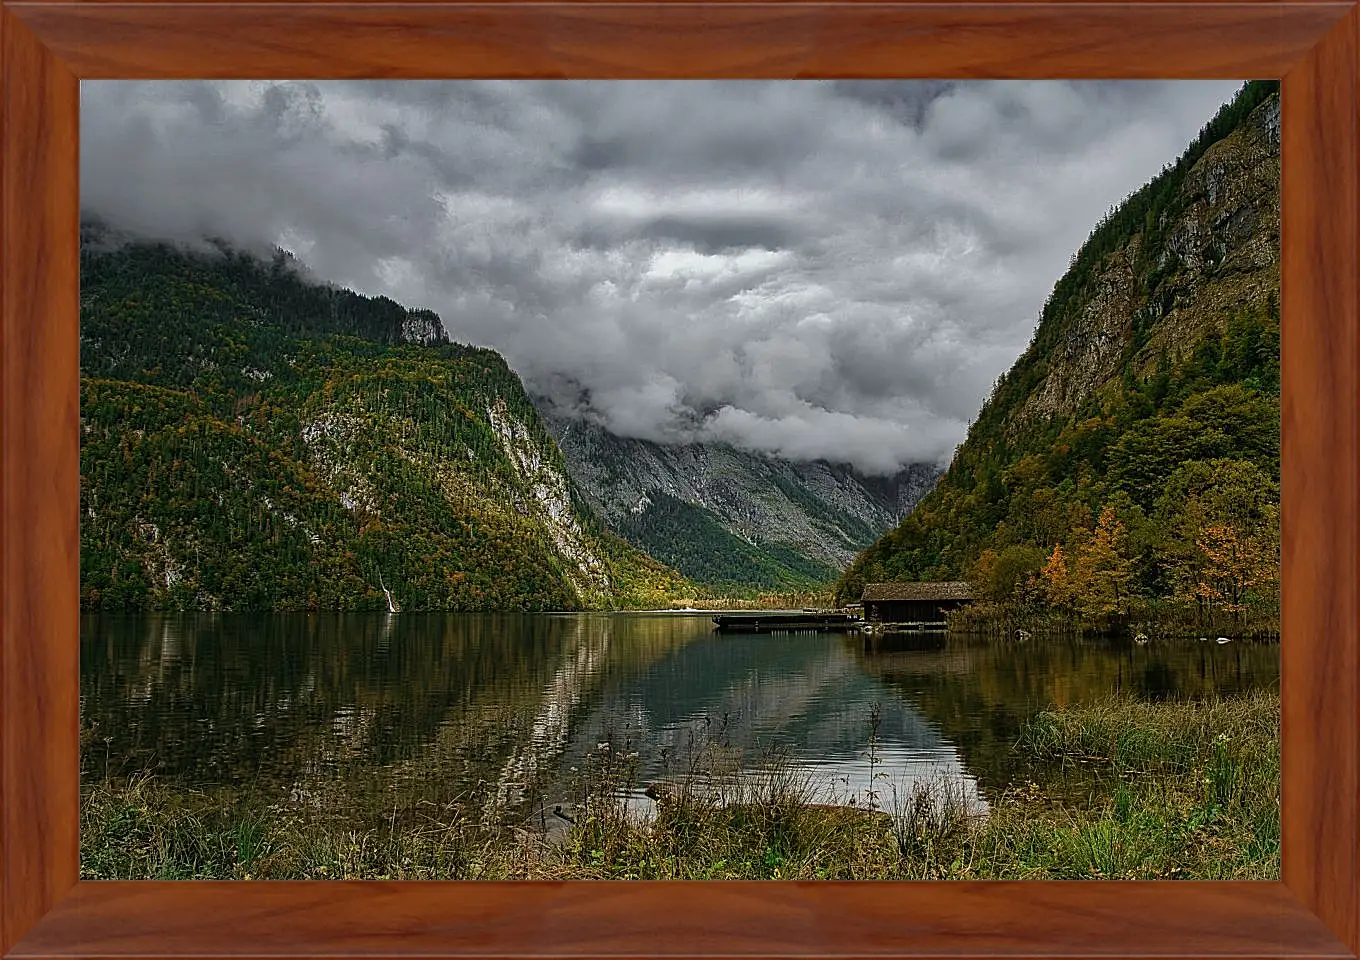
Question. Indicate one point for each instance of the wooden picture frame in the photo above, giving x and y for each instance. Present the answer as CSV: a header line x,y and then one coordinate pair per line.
x,y
47,47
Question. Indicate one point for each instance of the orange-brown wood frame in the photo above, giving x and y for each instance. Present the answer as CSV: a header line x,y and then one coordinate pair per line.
x,y
47,47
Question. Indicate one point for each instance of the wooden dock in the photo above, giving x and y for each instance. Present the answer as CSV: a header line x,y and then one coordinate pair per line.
x,y
915,626
805,622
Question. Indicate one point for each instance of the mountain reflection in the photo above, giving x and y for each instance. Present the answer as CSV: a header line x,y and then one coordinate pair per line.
x,y
502,708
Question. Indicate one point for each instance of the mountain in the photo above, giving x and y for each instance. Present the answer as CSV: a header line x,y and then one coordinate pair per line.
x,y
253,440
1131,454
729,517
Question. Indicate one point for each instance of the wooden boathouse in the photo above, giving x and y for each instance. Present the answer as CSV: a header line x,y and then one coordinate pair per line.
x,y
914,606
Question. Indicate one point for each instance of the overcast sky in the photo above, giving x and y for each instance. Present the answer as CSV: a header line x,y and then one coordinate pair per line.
x,y
813,269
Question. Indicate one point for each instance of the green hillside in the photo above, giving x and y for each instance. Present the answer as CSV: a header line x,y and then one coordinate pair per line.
x,y
252,440
695,542
1129,460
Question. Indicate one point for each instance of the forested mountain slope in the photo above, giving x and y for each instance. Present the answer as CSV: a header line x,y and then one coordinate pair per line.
x,y
1131,455
251,440
730,517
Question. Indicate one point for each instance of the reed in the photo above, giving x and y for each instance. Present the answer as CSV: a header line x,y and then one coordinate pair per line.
x,y
1116,789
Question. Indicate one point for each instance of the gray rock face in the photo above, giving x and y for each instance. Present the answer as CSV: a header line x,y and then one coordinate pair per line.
x,y
1219,253
423,327
825,511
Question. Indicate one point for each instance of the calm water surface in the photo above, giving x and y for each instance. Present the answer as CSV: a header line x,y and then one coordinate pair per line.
x,y
508,709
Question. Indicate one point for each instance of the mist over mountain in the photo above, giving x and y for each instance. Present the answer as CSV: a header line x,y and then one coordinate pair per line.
x,y
717,512
814,270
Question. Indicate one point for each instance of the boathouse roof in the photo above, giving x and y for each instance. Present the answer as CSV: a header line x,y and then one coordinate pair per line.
x,y
939,590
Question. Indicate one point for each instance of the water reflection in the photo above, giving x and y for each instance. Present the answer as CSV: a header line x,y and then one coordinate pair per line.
x,y
499,709
795,700
551,725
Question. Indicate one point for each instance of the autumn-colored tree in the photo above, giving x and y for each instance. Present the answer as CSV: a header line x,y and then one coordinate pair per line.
x,y
982,574
1221,523
1056,580
1103,577
1233,565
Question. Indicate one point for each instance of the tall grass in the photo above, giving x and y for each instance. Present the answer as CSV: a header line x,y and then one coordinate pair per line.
x,y
1116,789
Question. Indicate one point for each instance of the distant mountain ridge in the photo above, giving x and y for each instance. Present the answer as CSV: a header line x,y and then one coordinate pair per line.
x,y
722,515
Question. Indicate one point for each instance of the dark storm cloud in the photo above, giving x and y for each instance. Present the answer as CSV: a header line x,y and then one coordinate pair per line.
x,y
815,269
713,234
908,102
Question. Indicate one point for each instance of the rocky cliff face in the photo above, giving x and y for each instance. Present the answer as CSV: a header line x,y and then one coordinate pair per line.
x,y
546,497
423,327
1179,279
825,512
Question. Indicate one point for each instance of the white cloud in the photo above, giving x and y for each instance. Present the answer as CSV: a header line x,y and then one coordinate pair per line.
x,y
818,269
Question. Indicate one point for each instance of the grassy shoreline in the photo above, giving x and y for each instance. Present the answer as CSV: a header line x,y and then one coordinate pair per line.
x,y
1117,789
1006,620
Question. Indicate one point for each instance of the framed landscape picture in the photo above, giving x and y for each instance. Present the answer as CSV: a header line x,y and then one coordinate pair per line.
x,y
754,505
749,465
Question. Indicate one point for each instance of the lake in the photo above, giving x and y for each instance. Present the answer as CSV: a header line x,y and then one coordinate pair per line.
x,y
510,711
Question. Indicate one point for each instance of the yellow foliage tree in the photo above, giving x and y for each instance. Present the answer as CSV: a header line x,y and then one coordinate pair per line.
x,y
1231,566
983,573
1103,578
1056,580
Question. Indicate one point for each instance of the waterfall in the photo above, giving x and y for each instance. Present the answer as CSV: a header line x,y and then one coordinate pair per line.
x,y
391,606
